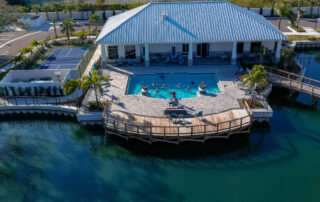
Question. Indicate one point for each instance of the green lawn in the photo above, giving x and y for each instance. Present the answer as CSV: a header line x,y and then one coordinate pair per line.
x,y
302,38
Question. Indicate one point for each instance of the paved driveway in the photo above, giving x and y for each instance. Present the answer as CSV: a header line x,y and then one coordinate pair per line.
x,y
304,22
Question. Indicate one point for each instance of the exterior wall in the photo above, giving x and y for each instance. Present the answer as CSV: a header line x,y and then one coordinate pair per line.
x,y
269,45
246,46
35,74
220,47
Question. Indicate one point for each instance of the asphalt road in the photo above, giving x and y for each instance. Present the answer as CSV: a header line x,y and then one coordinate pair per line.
x,y
12,42
285,23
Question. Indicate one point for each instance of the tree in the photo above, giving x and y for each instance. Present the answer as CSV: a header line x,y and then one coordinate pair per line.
x,y
17,59
94,80
95,18
9,16
301,13
35,8
256,79
26,50
282,8
57,7
54,28
81,7
72,85
286,54
34,43
67,27
46,7
262,50
69,7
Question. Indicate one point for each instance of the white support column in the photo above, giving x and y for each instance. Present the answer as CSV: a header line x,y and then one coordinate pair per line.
x,y
103,54
121,52
190,56
138,52
146,57
234,53
278,52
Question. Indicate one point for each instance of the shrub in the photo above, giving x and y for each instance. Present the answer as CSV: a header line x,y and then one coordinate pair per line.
x,y
35,91
48,91
92,106
6,91
54,90
28,91
113,12
41,91
104,17
261,11
272,11
20,91
13,91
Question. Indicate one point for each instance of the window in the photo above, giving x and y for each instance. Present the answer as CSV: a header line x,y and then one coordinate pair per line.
x,y
240,47
255,47
173,51
130,52
275,46
113,52
185,48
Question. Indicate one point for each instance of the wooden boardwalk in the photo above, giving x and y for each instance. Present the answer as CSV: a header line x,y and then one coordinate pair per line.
x,y
294,82
160,129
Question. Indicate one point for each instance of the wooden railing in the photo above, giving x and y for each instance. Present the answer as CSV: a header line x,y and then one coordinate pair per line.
x,y
295,81
151,133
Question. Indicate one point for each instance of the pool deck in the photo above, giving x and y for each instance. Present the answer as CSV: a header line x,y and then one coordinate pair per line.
x,y
227,99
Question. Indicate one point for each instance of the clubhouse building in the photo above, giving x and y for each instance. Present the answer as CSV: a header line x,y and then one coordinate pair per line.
x,y
188,33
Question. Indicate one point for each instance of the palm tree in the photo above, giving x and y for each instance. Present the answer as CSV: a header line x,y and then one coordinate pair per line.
x,y
46,7
95,18
94,80
54,28
282,9
81,7
286,53
257,78
35,8
72,85
69,7
57,7
67,27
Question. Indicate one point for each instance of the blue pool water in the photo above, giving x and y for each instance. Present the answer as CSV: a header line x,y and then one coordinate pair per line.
x,y
172,83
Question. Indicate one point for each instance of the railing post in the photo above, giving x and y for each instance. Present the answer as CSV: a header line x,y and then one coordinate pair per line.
x,y
150,132
114,124
137,130
241,122
191,130
164,132
217,128
229,127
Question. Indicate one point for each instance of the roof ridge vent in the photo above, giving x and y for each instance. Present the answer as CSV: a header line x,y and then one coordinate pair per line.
x,y
165,14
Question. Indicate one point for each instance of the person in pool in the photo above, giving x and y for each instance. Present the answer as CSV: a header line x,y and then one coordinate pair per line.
x,y
188,88
157,90
153,84
174,95
164,86
179,85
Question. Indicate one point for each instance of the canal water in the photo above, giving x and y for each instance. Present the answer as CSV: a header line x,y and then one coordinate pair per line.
x,y
49,160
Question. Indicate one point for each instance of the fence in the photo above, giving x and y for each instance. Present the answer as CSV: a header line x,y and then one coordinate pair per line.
x,y
86,59
177,134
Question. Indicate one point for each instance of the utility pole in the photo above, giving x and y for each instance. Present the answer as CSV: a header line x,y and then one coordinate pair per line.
x,y
317,16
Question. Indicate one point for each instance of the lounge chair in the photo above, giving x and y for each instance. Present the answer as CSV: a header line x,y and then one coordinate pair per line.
x,y
199,114
119,63
180,60
167,61
130,62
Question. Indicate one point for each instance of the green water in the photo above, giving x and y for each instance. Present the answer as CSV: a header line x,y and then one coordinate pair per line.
x,y
62,161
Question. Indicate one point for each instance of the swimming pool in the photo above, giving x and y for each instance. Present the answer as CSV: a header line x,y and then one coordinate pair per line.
x,y
178,82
